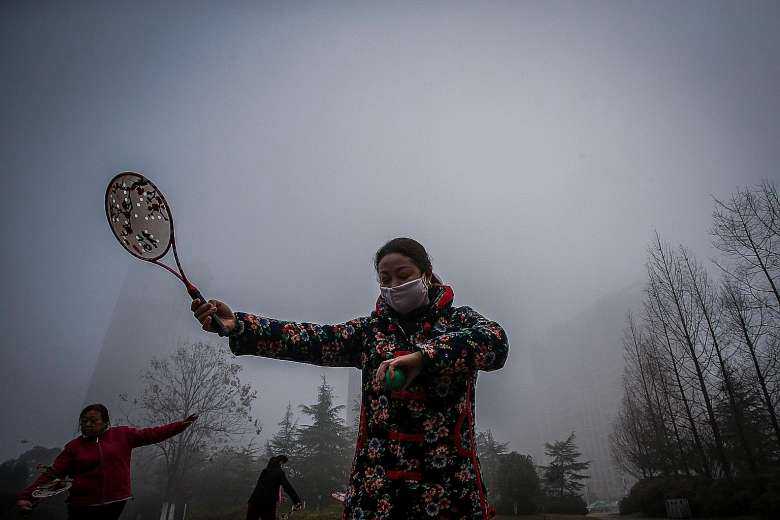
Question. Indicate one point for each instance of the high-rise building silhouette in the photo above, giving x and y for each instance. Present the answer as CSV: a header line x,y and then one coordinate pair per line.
x,y
150,319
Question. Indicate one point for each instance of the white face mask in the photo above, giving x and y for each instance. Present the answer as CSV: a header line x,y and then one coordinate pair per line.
x,y
406,297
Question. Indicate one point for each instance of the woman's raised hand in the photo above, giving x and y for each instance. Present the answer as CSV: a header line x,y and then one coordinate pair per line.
x,y
203,312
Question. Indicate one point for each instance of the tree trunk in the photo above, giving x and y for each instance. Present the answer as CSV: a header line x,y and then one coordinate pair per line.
x,y
724,371
681,315
657,429
738,310
688,413
672,418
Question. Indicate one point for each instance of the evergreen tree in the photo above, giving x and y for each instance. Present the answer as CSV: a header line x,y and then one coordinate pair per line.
x,y
755,427
225,479
323,448
517,484
285,441
490,452
562,476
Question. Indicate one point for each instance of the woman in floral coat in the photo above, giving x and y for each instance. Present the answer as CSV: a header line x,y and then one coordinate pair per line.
x,y
415,455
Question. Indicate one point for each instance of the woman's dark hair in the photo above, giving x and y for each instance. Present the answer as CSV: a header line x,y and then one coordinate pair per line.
x,y
275,462
408,247
100,408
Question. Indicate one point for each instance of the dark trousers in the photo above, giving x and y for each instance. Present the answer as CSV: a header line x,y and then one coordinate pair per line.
x,y
106,512
257,511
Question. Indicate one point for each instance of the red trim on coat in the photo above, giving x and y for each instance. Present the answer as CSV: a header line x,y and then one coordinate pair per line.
x,y
446,297
473,455
407,395
458,438
361,440
410,437
399,353
404,475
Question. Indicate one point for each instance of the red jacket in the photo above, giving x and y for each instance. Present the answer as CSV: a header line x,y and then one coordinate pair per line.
x,y
100,467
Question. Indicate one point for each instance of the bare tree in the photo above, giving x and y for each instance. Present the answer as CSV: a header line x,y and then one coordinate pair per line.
x,y
701,382
747,230
196,379
687,326
638,362
748,326
662,386
708,306
658,322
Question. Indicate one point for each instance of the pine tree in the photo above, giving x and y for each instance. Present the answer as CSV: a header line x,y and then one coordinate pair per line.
x,y
490,452
285,441
562,476
517,485
323,447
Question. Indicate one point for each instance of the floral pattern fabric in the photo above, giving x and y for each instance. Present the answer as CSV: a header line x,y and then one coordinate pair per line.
x,y
415,455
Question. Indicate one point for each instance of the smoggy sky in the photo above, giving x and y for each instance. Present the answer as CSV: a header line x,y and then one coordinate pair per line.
x,y
532,147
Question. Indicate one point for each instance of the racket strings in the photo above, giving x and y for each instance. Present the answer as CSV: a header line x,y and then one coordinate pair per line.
x,y
142,221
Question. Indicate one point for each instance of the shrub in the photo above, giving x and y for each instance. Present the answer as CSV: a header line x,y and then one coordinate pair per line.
x,y
567,504
706,497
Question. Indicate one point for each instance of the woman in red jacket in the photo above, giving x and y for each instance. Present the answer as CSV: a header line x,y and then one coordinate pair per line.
x,y
99,463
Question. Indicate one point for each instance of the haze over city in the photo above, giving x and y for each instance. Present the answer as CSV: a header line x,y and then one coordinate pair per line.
x,y
534,148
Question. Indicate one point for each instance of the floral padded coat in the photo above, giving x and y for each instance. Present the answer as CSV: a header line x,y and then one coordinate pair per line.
x,y
415,455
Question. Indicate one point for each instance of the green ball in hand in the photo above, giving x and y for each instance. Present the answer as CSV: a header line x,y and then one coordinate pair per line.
x,y
398,380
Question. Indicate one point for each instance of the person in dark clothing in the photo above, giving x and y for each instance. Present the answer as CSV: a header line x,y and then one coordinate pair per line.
x,y
263,501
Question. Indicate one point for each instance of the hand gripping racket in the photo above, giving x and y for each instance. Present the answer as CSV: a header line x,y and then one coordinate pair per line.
x,y
142,222
53,488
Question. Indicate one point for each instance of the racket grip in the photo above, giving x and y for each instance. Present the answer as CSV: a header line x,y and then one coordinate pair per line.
x,y
215,320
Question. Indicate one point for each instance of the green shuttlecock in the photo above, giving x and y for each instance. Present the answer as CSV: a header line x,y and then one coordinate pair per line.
x,y
398,380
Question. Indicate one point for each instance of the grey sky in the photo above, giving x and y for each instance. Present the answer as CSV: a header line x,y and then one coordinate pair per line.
x,y
533,147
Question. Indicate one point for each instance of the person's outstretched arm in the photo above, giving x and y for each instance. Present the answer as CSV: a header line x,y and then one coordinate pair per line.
x,y
480,344
289,489
328,345
338,345
145,436
61,467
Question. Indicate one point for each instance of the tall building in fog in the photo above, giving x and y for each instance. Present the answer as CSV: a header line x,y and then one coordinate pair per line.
x,y
568,379
150,319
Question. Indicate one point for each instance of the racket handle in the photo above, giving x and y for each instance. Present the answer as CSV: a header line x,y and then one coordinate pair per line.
x,y
215,320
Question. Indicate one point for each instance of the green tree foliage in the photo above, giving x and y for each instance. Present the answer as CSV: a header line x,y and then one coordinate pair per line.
x,y
746,423
517,484
324,449
490,451
225,480
563,475
285,442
